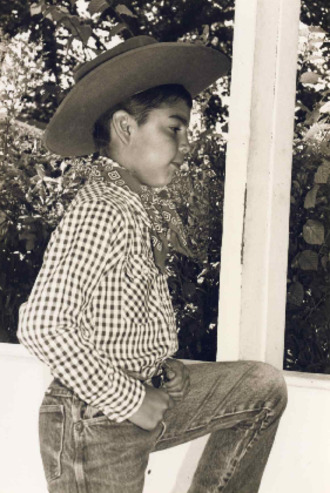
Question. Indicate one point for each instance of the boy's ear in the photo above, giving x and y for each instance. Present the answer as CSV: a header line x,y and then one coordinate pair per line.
x,y
122,125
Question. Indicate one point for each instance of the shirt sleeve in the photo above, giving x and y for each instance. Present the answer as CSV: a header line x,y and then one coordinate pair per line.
x,y
90,239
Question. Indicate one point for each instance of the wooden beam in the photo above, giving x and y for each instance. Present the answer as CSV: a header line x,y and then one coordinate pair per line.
x,y
258,178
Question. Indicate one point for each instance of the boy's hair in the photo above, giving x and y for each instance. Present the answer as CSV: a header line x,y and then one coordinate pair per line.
x,y
139,106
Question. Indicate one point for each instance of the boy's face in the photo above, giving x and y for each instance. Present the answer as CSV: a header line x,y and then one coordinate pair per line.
x,y
158,147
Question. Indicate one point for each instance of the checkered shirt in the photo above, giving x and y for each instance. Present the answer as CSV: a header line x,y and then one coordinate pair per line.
x,y
100,308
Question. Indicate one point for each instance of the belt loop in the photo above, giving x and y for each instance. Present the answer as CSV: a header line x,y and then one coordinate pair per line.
x,y
76,409
91,412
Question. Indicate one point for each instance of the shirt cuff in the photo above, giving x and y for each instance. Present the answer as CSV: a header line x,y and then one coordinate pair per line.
x,y
131,398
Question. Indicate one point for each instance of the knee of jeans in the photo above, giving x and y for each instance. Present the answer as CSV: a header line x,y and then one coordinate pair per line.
x,y
275,386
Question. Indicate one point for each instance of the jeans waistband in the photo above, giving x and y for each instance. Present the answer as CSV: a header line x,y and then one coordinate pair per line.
x,y
58,388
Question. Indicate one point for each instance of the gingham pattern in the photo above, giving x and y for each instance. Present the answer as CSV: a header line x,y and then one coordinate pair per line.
x,y
100,307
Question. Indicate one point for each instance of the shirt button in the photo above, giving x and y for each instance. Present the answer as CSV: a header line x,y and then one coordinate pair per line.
x,y
79,427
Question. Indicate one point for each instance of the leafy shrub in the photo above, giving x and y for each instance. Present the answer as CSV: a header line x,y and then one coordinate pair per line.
x,y
34,190
308,297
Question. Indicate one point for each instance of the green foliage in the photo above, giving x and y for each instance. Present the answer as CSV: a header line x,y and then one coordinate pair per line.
x,y
308,307
195,284
68,32
308,297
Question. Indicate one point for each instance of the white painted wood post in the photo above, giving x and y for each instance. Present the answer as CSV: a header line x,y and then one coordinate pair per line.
x,y
258,176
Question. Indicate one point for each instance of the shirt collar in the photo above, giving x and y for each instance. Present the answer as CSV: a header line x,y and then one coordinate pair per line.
x,y
132,197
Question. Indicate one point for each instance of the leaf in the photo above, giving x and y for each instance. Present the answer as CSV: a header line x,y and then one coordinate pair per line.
x,y
316,29
30,239
324,261
316,131
123,10
117,29
98,6
76,28
310,198
322,173
35,9
3,217
53,180
85,33
315,58
308,260
296,294
325,147
56,13
3,224
29,245
313,117
312,131
189,290
309,78
40,171
325,108
313,232
206,33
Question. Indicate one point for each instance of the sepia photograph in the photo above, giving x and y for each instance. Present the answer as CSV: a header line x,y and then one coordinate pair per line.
x,y
164,246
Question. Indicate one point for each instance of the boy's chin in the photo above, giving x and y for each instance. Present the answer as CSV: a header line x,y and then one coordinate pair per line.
x,y
156,182
159,184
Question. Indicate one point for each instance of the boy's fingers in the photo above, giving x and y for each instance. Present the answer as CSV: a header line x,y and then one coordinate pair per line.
x,y
178,382
170,374
173,381
179,391
174,385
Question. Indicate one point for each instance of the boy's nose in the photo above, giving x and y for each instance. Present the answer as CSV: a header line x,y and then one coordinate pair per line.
x,y
184,146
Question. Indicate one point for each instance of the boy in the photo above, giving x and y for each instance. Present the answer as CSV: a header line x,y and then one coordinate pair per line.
x,y
100,314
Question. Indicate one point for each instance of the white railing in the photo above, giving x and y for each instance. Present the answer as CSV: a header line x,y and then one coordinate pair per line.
x,y
258,180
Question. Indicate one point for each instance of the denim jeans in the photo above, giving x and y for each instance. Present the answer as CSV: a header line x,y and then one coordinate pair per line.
x,y
238,403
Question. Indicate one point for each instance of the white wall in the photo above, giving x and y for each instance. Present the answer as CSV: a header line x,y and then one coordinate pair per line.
x,y
301,457
22,383
299,461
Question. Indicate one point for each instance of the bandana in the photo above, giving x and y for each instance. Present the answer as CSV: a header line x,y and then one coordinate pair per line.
x,y
167,228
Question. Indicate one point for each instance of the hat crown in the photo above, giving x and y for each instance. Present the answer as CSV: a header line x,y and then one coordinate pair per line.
x,y
120,49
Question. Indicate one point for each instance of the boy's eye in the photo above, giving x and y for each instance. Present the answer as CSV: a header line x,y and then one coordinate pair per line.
x,y
175,129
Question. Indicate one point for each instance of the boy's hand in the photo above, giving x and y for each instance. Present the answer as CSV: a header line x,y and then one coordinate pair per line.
x,y
152,409
177,379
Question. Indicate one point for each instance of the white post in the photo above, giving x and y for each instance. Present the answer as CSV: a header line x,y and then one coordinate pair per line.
x,y
258,177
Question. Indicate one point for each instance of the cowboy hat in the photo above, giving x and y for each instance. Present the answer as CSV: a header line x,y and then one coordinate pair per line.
x,y
127,69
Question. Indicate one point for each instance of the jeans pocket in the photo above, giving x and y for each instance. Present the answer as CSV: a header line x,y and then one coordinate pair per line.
x,y
51,435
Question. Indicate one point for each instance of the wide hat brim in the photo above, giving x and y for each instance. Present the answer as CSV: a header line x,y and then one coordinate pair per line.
x,y
70,131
